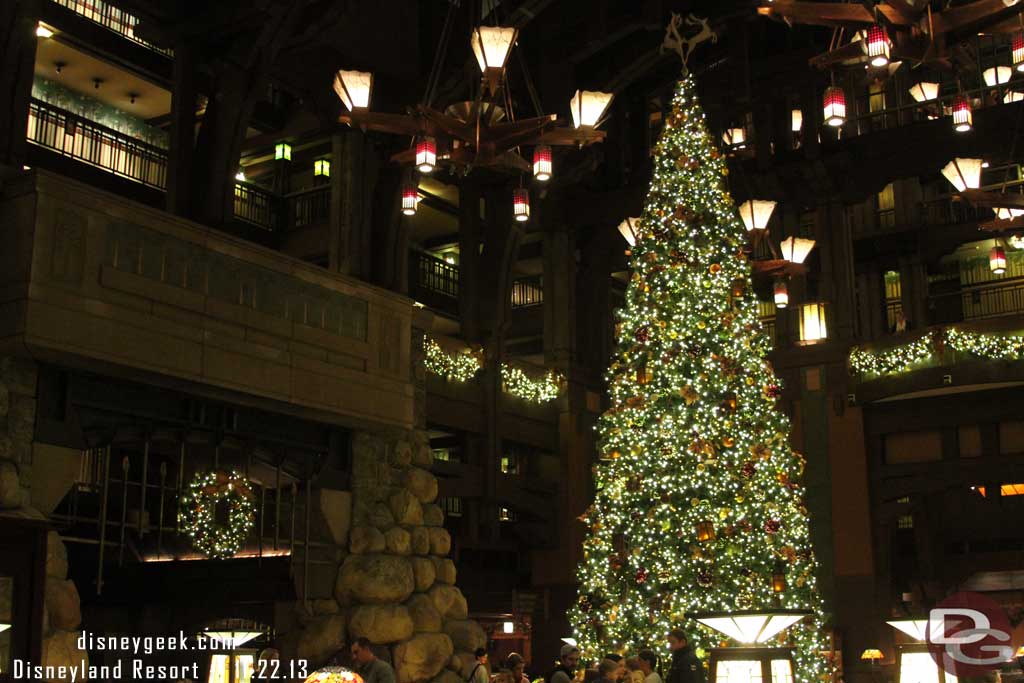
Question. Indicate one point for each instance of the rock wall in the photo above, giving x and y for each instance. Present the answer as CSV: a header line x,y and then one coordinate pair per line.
x,y
396,586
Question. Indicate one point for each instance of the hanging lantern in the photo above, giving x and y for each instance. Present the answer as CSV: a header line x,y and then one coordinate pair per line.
x,y
779,579
1012,96
587,106
781,292
492,45
963,173
877,42
410,198
756,213
642,376
796,121
353,88
705,531
630,230
796,249
426,154
735,138
322,168
963,120
1007,214
282,152
925,91
542,163
835,106
1018,51
997,260
997,75
521,204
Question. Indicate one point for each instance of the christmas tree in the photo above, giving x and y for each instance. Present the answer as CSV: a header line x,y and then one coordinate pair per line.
x,y
699,506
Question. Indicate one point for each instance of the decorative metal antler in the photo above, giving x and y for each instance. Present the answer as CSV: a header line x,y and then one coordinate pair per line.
x,y
684,46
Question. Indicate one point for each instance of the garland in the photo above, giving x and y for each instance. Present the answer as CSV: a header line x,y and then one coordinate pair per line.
x,y
463,366
903,358
199,507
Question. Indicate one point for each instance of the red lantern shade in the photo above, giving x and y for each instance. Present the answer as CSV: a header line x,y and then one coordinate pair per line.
x,y
963,120
542,163
426,154
877,46
410,197
835,106
521,204
1018,51
997,260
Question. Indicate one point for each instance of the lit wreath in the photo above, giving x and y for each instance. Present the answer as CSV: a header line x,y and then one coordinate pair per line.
x,y
199,507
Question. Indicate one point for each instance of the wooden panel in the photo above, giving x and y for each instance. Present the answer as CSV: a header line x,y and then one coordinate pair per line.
x,y
909,447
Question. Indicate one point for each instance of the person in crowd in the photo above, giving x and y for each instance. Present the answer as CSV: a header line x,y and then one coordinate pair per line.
x,y
367,665
685,668
590,676
568,660
648,665
634,674
479,673
610,671
517,667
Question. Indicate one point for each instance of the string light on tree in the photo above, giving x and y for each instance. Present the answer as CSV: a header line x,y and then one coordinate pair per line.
x,y
698,490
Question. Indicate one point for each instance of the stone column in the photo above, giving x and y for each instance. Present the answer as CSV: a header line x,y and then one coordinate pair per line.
x,y
17,421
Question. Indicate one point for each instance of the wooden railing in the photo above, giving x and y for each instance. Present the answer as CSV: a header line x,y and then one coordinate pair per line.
x,y
257,206
434,274
112,18
89,142
528,291
309,207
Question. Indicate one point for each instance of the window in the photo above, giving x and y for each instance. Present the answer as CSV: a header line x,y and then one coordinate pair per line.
x,y
442,454
506,515
905,522
876,96
886,207
452,506
510,464
893,299
812,322
909,447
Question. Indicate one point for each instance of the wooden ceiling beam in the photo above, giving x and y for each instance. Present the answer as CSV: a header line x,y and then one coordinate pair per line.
x,y
972,17
831,14
994,200
841,54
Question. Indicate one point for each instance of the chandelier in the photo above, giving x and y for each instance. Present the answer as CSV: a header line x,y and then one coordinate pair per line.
x,y
480,133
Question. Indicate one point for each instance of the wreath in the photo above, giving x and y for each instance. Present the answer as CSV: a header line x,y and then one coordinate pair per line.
x,y
198,516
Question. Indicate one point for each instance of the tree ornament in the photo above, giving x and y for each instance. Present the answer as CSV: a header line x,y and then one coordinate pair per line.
x,y
748,469
705,579
715,268
198,514
728,441
641,575
772,526
689,394
772,391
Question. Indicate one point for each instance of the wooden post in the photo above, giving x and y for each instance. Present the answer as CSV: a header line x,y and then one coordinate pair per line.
x,y
469,260
17,57
183,131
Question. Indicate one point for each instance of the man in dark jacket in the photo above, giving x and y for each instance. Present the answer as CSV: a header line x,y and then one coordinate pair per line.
x,y
686,668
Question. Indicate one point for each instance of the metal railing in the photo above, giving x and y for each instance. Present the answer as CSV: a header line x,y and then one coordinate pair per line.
x,y
94,144
112,18
435,275
309,207
528,291
255,205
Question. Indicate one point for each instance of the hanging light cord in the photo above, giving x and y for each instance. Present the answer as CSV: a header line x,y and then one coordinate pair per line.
x,y
442,49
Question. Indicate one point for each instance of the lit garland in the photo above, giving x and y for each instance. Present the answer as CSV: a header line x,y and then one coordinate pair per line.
x,y
199,508
460,367
928,349
699,504
542,390
463,366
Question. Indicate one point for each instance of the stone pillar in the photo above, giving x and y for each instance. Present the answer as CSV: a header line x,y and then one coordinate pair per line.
x,y
914,292
17,420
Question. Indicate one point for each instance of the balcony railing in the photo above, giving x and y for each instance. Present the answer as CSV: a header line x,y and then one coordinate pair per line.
x,y
528,291
435,275
111,18
255,205
91,143
309,207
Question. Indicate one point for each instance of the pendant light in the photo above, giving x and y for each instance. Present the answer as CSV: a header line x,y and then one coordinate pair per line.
x,y
781,294
410,198
426,154
521,204
997,260
963,120
542,163
835,106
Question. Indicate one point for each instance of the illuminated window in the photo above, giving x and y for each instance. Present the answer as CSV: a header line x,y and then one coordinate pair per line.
x,y
904,499
905,522
876,97
452,506
740,671
442,454
506,515
886,208
812,322
782,671
919,667
510,464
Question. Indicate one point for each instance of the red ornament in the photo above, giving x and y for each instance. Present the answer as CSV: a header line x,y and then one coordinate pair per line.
x,y
773,391
772,526
641,576
642,334
748,469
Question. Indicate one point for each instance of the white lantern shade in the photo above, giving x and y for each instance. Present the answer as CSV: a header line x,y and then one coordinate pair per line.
x,y
492,45
796,249
780,293
231,639
997,75
1012,96
925,91
542,163
915,628
4,627
1007,214
353,88
756,213
750,628
997,260
587,106
735,137
797,120
630,230
963,173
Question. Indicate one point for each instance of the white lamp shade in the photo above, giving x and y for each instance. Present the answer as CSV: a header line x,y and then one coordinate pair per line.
x,y
630,230
587,106
231,639
797,120
735,137
997,75
4,627
925,91
353,88
1012,96
796,249
1006,214
491,45
915,628
963,173
756,213
508,627
750,628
